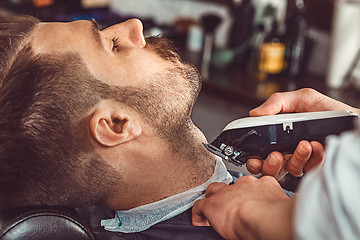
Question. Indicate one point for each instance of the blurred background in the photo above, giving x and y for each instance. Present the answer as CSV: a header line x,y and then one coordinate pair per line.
x,y
244,49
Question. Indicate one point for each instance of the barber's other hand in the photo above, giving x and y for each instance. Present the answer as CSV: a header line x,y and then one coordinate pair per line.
x,y
237,211
307,154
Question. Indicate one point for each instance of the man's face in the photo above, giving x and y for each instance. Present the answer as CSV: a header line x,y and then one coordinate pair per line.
x,y
120,56
150,79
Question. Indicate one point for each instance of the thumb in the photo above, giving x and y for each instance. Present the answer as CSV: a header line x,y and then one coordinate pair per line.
x,y
276,103
198,218
269,107
262,111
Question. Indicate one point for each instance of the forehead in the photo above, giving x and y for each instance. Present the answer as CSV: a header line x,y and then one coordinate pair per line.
x,y
63,37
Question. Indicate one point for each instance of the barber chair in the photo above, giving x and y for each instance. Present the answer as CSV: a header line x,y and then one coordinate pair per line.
x,y
40,223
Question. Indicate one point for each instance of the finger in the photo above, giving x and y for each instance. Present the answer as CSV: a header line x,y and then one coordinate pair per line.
x,y
277,102
295,166
198,219
302,100
317,157
273,164
254,165
283,170
214,188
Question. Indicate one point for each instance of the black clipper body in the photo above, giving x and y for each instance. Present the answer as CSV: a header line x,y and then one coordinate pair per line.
x,y
256,137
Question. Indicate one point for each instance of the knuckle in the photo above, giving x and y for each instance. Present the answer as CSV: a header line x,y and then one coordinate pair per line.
x,y
268,179
247,178
214,187
307,91
276,95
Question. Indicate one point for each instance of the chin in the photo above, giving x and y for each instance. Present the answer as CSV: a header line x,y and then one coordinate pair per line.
x,y
202,136
198,134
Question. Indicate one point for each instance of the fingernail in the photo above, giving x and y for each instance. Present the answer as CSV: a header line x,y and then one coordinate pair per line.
x,y
302,150
251,167
273,160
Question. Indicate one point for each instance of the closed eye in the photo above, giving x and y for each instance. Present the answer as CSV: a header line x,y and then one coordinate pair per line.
x,y
115,42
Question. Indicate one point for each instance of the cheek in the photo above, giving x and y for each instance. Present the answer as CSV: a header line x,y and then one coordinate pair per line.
x,y
127,68
148,64
177,99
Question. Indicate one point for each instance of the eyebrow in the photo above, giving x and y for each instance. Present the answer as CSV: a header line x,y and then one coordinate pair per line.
x,y
96,33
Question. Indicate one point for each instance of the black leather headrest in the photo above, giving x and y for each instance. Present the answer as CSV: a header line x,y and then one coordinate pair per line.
x,y
40,223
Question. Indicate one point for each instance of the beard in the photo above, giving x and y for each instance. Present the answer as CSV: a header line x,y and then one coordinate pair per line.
x,y
166,103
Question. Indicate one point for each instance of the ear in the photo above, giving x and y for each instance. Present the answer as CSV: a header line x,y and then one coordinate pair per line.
x,y
110,125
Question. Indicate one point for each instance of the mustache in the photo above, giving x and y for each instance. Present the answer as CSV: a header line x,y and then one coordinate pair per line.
x,y
163,47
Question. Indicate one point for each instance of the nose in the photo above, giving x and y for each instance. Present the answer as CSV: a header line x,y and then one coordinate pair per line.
x,y
129,32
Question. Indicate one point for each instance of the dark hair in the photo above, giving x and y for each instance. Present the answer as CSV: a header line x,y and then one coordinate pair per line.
x,y
46,157
13,34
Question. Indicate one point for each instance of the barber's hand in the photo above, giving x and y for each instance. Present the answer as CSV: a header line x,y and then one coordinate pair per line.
x,y
307,154
236,211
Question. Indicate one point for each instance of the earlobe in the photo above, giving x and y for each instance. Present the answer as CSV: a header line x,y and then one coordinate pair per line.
x,y
111,128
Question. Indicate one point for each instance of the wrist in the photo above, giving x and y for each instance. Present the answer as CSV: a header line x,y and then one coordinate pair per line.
x,y
272,220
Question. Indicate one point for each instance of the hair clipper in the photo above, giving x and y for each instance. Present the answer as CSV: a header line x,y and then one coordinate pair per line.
x,y
256,137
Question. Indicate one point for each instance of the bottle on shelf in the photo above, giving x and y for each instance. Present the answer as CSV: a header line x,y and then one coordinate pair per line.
x,y
267,59
272,54
266,63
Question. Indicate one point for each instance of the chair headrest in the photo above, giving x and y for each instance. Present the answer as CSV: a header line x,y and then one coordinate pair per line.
x,y
56,223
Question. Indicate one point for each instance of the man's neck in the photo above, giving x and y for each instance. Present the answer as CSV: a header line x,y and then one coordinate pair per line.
x,y
190,162
195,159
176,168
141,218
